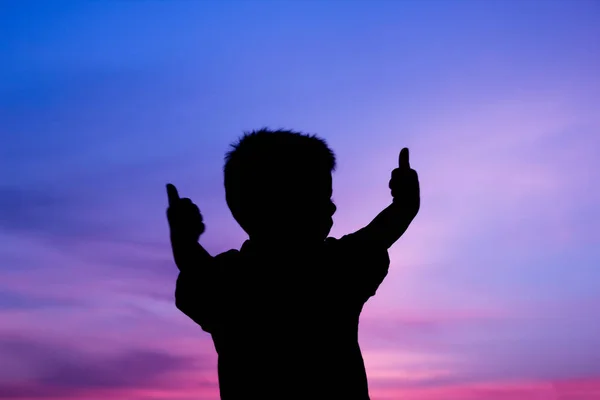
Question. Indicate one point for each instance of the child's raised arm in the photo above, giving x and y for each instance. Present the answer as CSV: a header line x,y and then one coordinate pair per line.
x,y
392,222
186,226
194,262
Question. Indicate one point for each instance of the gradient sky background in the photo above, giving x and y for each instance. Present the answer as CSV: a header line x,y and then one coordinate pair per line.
x,y
493,293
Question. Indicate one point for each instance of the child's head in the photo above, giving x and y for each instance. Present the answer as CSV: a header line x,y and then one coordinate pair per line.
x,y
278,185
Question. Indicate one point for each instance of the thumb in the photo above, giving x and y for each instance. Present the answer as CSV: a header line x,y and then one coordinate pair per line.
x,y
403,160
172,194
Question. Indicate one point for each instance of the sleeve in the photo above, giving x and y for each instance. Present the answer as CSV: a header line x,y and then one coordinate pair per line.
x,y
197,292
365,262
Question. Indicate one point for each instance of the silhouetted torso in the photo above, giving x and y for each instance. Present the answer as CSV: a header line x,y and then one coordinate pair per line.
x,y
286,326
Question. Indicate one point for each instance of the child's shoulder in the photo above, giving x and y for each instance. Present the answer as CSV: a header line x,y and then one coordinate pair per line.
x,y
342,245
345,240
356,242
227,257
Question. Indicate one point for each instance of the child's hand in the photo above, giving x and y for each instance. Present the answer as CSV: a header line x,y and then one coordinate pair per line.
x,y
405,185
185,220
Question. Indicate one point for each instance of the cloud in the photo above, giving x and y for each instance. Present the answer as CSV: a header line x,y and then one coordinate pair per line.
x,y
21,301
440,347
571,389
47,369
52,214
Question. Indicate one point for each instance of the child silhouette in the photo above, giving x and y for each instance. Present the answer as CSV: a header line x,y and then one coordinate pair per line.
x,y
283,311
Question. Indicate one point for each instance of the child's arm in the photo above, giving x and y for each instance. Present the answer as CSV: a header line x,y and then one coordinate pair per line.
x,y
194,262
392,222
186,226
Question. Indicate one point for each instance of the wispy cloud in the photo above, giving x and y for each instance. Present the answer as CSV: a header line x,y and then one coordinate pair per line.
x,y
492,293
43,369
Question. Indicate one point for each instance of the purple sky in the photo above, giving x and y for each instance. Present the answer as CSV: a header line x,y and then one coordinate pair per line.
x,y
494,291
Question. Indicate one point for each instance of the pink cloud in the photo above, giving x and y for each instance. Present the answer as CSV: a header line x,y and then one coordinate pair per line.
x,y
574,389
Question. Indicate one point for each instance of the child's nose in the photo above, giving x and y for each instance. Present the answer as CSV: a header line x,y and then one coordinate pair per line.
x,y
333,208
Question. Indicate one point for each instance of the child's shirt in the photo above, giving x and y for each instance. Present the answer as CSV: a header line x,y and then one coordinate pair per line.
x,y
286,327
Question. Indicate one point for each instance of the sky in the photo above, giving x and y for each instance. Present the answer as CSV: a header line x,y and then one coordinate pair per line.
x,y
493,293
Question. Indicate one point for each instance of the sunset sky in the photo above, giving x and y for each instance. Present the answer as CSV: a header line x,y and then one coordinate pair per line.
x,y
492,294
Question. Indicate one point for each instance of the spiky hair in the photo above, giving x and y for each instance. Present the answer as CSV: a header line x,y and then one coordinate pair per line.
x,y
253,165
